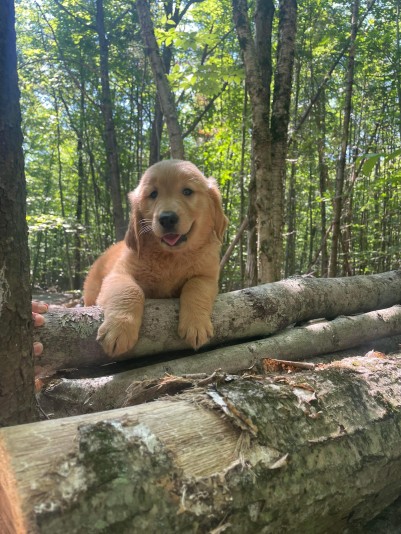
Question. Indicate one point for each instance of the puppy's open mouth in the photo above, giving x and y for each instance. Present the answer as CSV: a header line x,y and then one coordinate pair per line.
x,y
172,240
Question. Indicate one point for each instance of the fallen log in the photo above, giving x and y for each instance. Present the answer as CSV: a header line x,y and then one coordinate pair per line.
x,y
69,335
66,397
317,451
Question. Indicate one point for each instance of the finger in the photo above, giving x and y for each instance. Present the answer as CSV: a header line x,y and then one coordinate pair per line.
x,y
37,348
38,320
39,307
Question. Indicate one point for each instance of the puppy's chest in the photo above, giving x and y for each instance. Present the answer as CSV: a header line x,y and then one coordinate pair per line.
x,y
161,281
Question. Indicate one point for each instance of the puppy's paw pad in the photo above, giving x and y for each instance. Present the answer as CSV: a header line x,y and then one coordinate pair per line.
x,y
117,336
197,333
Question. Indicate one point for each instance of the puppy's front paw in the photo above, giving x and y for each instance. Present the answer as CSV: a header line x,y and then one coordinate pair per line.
x,y
196,332
117,335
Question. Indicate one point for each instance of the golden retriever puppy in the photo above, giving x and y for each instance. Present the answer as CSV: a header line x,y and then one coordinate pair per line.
x,y
171,249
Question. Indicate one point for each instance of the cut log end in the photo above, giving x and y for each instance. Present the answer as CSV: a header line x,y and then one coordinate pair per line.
x,y
11,516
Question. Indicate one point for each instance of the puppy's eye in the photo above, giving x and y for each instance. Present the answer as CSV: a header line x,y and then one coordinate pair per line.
x,y
187,192
153,194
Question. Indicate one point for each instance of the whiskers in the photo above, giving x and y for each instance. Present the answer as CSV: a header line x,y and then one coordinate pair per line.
x,y
145,226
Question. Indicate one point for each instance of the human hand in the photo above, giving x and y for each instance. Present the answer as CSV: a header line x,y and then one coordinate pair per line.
x,y
38,320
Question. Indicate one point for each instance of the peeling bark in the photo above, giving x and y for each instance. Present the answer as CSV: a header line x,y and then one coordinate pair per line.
x,y
69,335
313,452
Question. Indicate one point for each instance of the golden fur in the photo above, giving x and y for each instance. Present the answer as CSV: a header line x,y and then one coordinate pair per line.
x,y
171,249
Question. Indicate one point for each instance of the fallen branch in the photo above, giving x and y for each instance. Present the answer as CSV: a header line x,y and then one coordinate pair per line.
x,y
69,335
64,397
278,460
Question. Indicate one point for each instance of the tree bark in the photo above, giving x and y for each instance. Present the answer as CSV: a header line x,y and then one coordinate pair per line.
x,y
259,95
70,396
262,454
340,175
279,129
110,138
69,335
61,192
269,142
17,401
164,91
323,179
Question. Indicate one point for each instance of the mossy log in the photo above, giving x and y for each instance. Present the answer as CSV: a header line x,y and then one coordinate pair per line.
x,y
312,452
67,396
69,335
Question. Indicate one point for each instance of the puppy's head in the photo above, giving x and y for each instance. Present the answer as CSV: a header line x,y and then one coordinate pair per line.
x,y
176,206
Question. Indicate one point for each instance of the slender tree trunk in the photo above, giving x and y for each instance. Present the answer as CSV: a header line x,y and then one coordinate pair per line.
x,y
165,94
398,60
61,193
291,204
17,400
156,134
279,131
157,124
110,138
251,267
291,221
323,179
340,174
242,180
81,183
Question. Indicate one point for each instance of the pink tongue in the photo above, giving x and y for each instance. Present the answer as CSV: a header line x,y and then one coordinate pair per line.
x,y
171,239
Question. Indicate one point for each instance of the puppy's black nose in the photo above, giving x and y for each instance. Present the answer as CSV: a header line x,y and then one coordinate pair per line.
x,y
168,220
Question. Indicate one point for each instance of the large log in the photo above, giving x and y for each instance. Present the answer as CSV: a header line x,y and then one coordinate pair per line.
x,y
69,335
65,397
313,452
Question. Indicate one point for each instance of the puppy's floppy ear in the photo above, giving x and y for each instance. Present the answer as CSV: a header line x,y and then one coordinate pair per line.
x,y
132,236
220,220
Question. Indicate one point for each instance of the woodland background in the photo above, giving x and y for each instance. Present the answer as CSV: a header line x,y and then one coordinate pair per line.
x,y
71,51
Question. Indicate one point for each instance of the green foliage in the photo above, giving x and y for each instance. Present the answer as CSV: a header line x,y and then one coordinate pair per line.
x,y
69,205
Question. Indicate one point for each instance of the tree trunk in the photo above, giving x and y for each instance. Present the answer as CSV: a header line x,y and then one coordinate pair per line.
x,y
291,204
279,131
340,175
323,180
269,145
110,138
164,91
263,454
251,267
80,194
17,401
157,123
61,194
69,335
261,139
